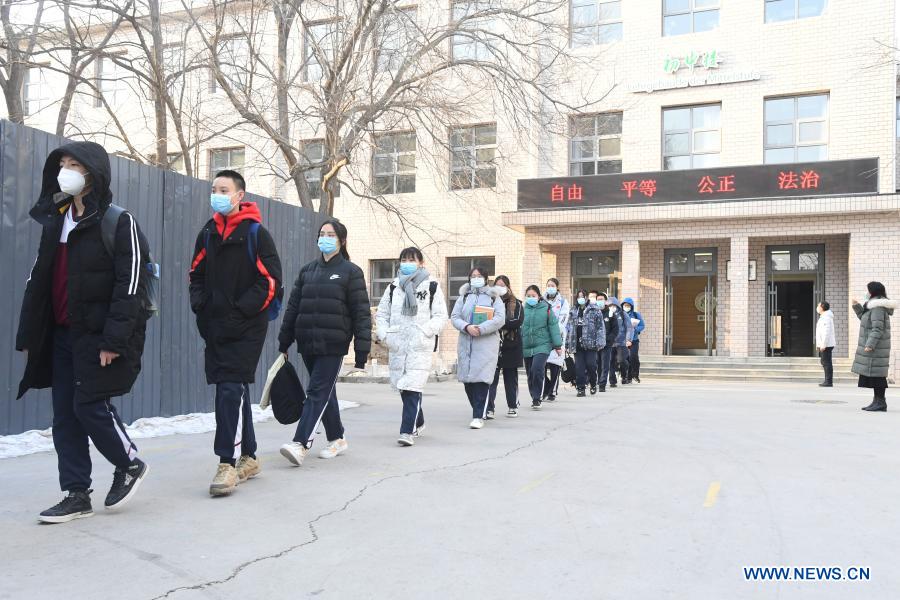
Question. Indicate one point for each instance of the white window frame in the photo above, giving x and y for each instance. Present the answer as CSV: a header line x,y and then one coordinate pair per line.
x,y
234,60
474,165
796,16
456,282
312,70
597,26
397,39
691,131
395,157
797,122
231,165
35,94
375,283
596,138
480,49
692,11
110,83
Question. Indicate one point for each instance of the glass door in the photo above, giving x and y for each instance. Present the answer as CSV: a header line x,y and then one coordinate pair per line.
x,y
690,301
596,271
795,281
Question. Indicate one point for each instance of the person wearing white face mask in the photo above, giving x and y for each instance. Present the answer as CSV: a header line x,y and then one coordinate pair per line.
x,y
235,287
556,360
478,315
83,323
511,358
411,314
611,325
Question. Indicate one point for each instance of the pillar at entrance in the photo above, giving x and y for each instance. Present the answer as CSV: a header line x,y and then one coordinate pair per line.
x,y
739,302
631,271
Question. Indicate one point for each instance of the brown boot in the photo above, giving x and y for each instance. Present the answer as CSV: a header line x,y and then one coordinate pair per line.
x,y
225,480
247,467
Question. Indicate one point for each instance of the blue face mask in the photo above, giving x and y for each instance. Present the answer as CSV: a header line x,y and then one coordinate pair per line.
x,y
531,301
408,268
601,303
582,301
867,297
327,245
477,282
221,203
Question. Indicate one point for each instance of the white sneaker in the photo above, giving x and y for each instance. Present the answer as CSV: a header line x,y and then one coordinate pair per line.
x,y
294,452
406,439
490,415
512,413
476,424
419,431
335,448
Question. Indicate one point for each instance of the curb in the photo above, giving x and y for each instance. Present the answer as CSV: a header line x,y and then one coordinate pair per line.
x,y
369,379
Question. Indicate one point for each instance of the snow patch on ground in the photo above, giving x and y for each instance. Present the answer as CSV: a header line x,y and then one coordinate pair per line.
x,y
36,440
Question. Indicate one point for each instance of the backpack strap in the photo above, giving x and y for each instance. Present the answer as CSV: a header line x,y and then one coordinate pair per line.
x,y
108,227
253,242
391,295
432,288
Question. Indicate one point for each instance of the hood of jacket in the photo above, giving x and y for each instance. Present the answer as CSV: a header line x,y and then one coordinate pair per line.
x,y
886,303
631,302
52,202
827,315
613,301
488,289
249,211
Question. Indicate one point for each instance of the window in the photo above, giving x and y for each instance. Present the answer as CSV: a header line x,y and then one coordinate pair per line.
x,y
225,158
173,67
382,274
788,10
692,137
459,269
397,40
471,44
323,37
596,144
314,152
234,58
689,16
796,129
110,82
176,161
37,92
394,163
472,153
595,22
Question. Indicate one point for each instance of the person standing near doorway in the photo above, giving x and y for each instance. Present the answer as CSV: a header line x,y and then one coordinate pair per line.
x,y
510,359
233,282
873,352
478,315
555,361
634,346
584,338
825,341
540,336
611,326
328,308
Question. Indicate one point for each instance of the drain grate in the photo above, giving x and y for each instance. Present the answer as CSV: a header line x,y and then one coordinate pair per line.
x,y
820,401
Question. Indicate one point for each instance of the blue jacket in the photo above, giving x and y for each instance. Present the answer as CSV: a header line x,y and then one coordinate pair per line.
x,y
593,332
634,314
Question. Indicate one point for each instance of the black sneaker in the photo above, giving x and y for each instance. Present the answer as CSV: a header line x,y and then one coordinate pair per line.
x,y
637,379
593,390
551,398
536,405
125,484
580,394
612,385
76,505
602,389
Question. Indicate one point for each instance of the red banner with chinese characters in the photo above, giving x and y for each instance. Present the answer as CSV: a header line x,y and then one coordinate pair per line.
x,y
826,178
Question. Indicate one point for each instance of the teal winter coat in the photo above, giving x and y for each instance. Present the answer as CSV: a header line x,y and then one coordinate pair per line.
x,y
540,331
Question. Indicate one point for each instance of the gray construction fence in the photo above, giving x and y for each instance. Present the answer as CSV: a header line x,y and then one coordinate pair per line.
x,y
171,209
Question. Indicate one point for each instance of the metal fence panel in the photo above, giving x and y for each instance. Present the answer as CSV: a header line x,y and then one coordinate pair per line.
x,y
170,209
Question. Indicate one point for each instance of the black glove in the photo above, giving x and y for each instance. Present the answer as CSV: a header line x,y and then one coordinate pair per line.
x,y
361,359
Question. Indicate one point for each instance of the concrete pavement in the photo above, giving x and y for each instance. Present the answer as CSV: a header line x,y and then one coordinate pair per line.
x,y
659,490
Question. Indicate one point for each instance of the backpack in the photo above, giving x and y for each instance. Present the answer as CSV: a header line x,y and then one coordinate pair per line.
x,y
274,308
108,227
432,288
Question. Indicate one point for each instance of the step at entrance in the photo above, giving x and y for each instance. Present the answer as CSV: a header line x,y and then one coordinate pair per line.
x,y
749,369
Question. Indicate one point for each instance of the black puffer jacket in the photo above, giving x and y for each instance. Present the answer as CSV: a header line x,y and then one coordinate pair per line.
x,y
104,295
612,326
510,356
231,290
329,306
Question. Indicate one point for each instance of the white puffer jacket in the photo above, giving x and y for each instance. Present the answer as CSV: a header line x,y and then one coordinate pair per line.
x,y
410,340
825,330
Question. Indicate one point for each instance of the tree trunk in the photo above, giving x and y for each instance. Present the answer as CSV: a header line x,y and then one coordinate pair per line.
x,y
159,79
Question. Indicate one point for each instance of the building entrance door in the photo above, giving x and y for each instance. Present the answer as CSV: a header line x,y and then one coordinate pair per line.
x,y
690,302
795,278
596,271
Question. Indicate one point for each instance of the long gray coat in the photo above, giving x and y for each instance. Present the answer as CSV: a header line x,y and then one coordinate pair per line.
x,y
477,356
875,333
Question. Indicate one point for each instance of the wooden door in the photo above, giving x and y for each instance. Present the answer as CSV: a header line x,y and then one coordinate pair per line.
x,y
688,318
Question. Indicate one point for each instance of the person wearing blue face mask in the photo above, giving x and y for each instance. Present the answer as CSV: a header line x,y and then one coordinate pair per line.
x,y
556,360
478,315
411,314
540,336
328,308
585,337
234,284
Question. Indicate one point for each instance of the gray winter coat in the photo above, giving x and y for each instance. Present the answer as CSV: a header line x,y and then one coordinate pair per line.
x,y
477,356
875,333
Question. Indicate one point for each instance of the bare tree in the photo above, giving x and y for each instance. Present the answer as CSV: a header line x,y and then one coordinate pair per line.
x,y
17,47
346,72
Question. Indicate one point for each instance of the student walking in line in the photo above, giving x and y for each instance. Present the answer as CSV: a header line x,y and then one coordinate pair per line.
x,y
328,308
607,355
634,346
873,351
83,324
825,341
540,336
235,279
625,332
510,359
410,316
478,315
556,360
593,300
584,338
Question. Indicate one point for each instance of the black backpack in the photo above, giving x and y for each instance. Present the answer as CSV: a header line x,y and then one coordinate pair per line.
x,y
108,232
432,288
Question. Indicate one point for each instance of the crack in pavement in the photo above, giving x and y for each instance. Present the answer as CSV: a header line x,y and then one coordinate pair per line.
x,y
362,491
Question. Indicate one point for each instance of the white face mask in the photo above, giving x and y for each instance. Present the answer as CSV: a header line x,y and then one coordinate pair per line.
x,y
70,181
502,291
